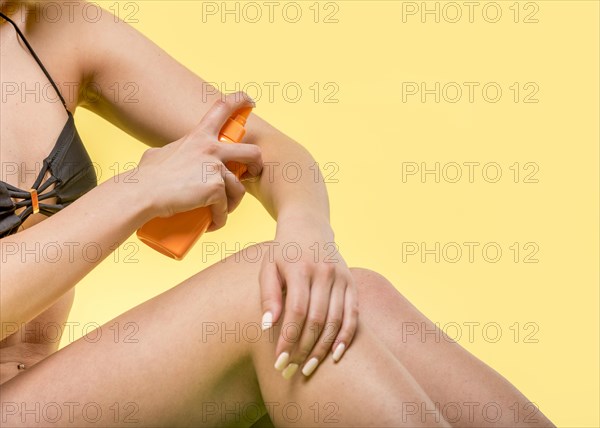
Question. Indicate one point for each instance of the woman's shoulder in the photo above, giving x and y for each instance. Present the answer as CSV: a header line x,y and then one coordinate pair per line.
x,y
72,38
77,22
83,29
56,19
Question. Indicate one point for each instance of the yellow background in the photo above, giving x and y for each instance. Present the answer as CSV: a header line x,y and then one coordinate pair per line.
x,y
371,132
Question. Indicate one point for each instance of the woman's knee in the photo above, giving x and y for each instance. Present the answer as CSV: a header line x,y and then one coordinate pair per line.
x,y
234,278
375,290
371,282
252,255
237,277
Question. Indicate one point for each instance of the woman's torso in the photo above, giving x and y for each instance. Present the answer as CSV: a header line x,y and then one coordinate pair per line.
x,y
32,117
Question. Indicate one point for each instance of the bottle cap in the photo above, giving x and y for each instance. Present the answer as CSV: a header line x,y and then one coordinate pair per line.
x,y
234,130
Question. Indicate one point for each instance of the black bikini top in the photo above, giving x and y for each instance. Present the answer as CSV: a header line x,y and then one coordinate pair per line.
x,y
71,172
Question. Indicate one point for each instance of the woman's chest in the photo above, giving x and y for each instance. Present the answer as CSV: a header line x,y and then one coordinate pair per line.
x,y
31,112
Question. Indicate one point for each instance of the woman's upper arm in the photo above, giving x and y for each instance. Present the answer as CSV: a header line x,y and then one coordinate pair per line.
x,y
138,86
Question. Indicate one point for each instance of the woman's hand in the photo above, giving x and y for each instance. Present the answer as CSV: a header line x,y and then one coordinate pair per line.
x,y
191,172
321,304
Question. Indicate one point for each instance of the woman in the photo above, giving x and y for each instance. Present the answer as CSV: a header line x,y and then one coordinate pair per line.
x,y
172,375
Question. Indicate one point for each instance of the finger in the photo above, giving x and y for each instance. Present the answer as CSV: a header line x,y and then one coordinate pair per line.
x,y
320,292
296,306
248,154
349,323
218,201
270,293
330,331
235,191
221,110
250,175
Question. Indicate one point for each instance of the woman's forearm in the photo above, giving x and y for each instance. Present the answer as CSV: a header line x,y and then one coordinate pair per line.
x,y
180,101
44,261
291,183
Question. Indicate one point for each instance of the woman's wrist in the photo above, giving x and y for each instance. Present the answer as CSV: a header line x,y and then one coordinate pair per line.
x,y
306,221
136,202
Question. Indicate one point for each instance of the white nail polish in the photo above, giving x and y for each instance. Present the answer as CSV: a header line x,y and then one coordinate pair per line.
x,y
289,371
267,320
310,366
282,361
339,350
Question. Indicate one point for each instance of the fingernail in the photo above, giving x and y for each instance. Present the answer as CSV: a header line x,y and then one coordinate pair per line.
x,y
339,350
289,371
282,361
310,366
267,320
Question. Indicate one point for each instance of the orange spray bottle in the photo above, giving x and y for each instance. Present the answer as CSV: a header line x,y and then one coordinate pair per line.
x,y
174,236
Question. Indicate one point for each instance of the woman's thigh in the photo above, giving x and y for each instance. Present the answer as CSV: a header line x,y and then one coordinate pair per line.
x,y
188,363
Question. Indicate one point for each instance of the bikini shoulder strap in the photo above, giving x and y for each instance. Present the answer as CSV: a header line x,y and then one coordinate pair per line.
x,y
36,58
